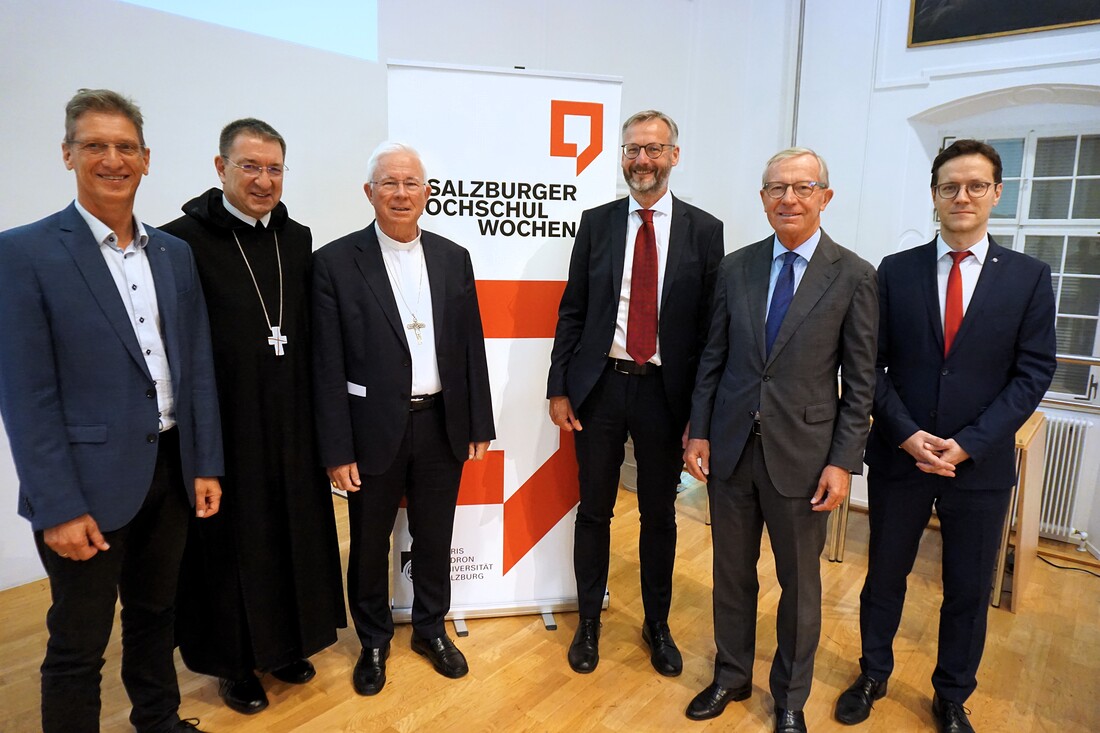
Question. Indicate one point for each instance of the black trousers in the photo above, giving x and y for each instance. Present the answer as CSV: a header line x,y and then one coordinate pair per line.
x,y
741,506
971,523
141,568
618,405
425,473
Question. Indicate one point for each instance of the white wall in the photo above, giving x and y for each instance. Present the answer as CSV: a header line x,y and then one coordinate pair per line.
x,y
723,69
696,59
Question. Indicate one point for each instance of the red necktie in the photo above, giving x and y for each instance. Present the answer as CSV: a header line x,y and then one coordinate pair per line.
x,y
641,324
953,305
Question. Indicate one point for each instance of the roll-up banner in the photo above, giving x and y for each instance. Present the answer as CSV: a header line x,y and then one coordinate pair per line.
x,y
513,158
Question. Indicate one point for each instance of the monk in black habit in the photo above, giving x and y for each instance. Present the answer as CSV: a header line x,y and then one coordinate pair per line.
x,y
260,588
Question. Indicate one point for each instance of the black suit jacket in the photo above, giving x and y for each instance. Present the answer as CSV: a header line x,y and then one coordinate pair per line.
x,y
590,303
358,337
832,323
1001,363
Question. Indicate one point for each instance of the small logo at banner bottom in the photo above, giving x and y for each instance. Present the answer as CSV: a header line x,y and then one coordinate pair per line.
x,y
559,148
407,565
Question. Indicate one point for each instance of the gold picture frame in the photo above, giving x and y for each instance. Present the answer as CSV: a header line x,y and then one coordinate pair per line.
x,y
934,22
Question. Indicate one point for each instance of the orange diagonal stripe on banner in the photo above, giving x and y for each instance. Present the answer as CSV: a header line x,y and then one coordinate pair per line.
x,y
483,481
541,502
519,309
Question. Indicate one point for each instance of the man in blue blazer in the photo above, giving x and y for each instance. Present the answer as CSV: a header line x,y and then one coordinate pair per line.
x,y
107,394
966,352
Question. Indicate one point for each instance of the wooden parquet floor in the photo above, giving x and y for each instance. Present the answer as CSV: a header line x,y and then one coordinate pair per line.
x,y
1041,670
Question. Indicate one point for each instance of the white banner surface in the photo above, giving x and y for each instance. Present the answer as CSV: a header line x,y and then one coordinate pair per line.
x,y
513,157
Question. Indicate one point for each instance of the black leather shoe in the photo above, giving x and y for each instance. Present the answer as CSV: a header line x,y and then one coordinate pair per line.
x,y
246,696
663,654
584,652
187,725
444,655
950,716
369,676
854,704
712,701
295,673
789,721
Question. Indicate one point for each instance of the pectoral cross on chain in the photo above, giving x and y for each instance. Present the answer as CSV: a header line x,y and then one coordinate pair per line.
x,y
416,326
276,340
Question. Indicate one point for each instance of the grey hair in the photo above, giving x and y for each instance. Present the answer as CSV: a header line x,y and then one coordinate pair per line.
x,y
823,170
390,148
105,101
651,114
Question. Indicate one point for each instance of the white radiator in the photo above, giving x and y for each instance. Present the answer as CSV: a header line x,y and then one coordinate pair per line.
x,y
1064,476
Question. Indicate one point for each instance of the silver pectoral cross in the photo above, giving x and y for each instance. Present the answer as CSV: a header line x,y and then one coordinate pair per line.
x,y
416,326
276,340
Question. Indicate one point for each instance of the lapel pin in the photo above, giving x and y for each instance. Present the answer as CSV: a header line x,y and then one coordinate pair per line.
x,y
994,259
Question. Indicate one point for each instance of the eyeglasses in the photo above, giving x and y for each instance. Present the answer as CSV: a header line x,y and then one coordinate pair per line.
x,y
652,151
391,186
974,189
99,149
802,189
254,171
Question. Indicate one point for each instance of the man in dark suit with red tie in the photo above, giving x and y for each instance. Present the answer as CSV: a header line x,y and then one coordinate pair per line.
x,y
631,325
966,352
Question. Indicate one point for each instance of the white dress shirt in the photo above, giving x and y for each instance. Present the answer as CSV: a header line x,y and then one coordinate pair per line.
x,y
409,279
133,277
804,251
662,226
969,268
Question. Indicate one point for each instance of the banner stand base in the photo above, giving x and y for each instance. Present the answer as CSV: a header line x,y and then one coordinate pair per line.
x,y
460,627
549,622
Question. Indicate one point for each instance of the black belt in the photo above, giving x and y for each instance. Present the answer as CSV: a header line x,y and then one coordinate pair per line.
x,y
421,402
625,366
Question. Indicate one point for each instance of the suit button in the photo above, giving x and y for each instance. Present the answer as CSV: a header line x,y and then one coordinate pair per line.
x,y
150,393
932,413
767,378
945,372
151,438
406,363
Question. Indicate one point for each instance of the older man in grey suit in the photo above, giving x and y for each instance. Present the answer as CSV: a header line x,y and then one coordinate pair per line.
x,y
770,431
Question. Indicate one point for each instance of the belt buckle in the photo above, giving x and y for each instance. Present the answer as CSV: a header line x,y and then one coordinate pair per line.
x,y
619,366
756,426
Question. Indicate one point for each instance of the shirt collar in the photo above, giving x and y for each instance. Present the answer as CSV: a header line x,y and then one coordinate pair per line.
x,y
979,249
104,235
663,205
387,241
249,220
805,250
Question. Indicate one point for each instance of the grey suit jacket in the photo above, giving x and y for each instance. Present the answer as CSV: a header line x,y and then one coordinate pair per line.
x,y
832,323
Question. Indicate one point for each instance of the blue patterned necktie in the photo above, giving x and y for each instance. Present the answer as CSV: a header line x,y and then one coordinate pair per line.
x,y
781,299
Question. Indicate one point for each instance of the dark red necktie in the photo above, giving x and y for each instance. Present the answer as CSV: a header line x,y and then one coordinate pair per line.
x,y
953,304
641,324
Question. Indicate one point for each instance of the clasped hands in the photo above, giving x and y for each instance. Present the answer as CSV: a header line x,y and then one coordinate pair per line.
x,y
934,454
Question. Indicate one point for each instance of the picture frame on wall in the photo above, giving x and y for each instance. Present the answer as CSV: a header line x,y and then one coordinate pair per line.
x,y
933,22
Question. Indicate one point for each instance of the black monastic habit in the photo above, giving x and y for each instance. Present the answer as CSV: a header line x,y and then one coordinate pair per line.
x,y
260,585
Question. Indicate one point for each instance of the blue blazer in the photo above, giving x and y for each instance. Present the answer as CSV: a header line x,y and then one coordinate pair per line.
x,y
76,396
1001,363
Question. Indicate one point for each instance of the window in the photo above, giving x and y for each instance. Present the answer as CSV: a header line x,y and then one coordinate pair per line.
x,y
1050,209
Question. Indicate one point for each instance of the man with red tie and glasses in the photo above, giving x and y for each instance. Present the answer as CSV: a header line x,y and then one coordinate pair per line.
x,y
965,353
631,325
